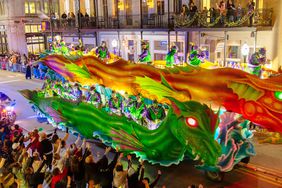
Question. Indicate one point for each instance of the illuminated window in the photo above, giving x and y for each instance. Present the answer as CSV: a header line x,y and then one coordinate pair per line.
x,y
32,7
46,11
35,44
26,8
27,28
32,28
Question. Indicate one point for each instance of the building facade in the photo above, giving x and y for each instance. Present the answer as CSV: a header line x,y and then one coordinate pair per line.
x,y
124,23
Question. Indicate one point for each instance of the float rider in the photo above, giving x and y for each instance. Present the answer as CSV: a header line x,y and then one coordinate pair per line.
x,y
171,57
145,56
194,58
102,51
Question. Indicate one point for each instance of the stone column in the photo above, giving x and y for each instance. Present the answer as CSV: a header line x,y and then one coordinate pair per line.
x,y
15,27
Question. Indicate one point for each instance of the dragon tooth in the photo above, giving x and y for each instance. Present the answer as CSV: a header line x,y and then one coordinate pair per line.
x,y
197,158
193,152
202,161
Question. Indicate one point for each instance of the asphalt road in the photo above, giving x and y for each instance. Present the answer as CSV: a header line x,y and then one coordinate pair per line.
x,y
180,176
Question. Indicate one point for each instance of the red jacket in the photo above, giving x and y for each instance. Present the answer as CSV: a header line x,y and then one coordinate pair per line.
x,y
59,177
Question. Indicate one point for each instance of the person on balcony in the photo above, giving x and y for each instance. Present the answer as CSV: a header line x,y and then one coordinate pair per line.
x,y
64,19
80,17
71,19
86,16
145,56
171,57
230,10
251,8
184,10
239,12
212,14
192,9
222,10
102,51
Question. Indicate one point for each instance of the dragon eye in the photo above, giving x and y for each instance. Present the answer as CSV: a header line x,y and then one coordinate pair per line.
x,y
192,122
278,95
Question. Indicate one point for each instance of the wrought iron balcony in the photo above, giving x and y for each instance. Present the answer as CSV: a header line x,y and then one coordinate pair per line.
x,y
208,19
213,19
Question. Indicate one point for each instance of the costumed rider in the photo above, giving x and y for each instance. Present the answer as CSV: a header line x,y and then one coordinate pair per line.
x,y
77,93
171,57
256,61
145,56
137,109
194,58
94,97
155,114
102,51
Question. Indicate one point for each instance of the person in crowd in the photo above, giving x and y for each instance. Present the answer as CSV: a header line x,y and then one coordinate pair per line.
x,y
33,138
23,62
239,12
46,149
251,8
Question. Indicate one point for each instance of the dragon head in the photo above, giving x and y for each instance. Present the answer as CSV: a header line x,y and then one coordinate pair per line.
x,y
195,128
260,101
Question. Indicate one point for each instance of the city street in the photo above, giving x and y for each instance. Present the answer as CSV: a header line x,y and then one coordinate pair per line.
x,y
265,170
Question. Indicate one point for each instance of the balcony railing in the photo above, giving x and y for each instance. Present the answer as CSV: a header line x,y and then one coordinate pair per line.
x,y
149,21
213,19
208,19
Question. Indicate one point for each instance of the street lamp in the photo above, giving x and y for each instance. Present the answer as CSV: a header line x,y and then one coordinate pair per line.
x,y
245,51
114,45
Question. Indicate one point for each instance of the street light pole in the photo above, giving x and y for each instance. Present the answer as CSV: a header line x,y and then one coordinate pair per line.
x,y
51,20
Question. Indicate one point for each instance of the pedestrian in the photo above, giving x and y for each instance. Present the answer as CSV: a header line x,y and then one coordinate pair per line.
x,y
28,70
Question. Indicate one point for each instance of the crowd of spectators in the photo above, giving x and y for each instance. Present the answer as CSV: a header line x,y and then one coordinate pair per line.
x,y
37,159
226,9
16,62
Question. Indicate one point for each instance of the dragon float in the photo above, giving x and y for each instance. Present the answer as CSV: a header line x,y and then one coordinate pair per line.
x,y
189,128
258,100
188,131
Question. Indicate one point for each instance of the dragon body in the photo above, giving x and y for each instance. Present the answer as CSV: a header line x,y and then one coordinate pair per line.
x,y
258,100
173,140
